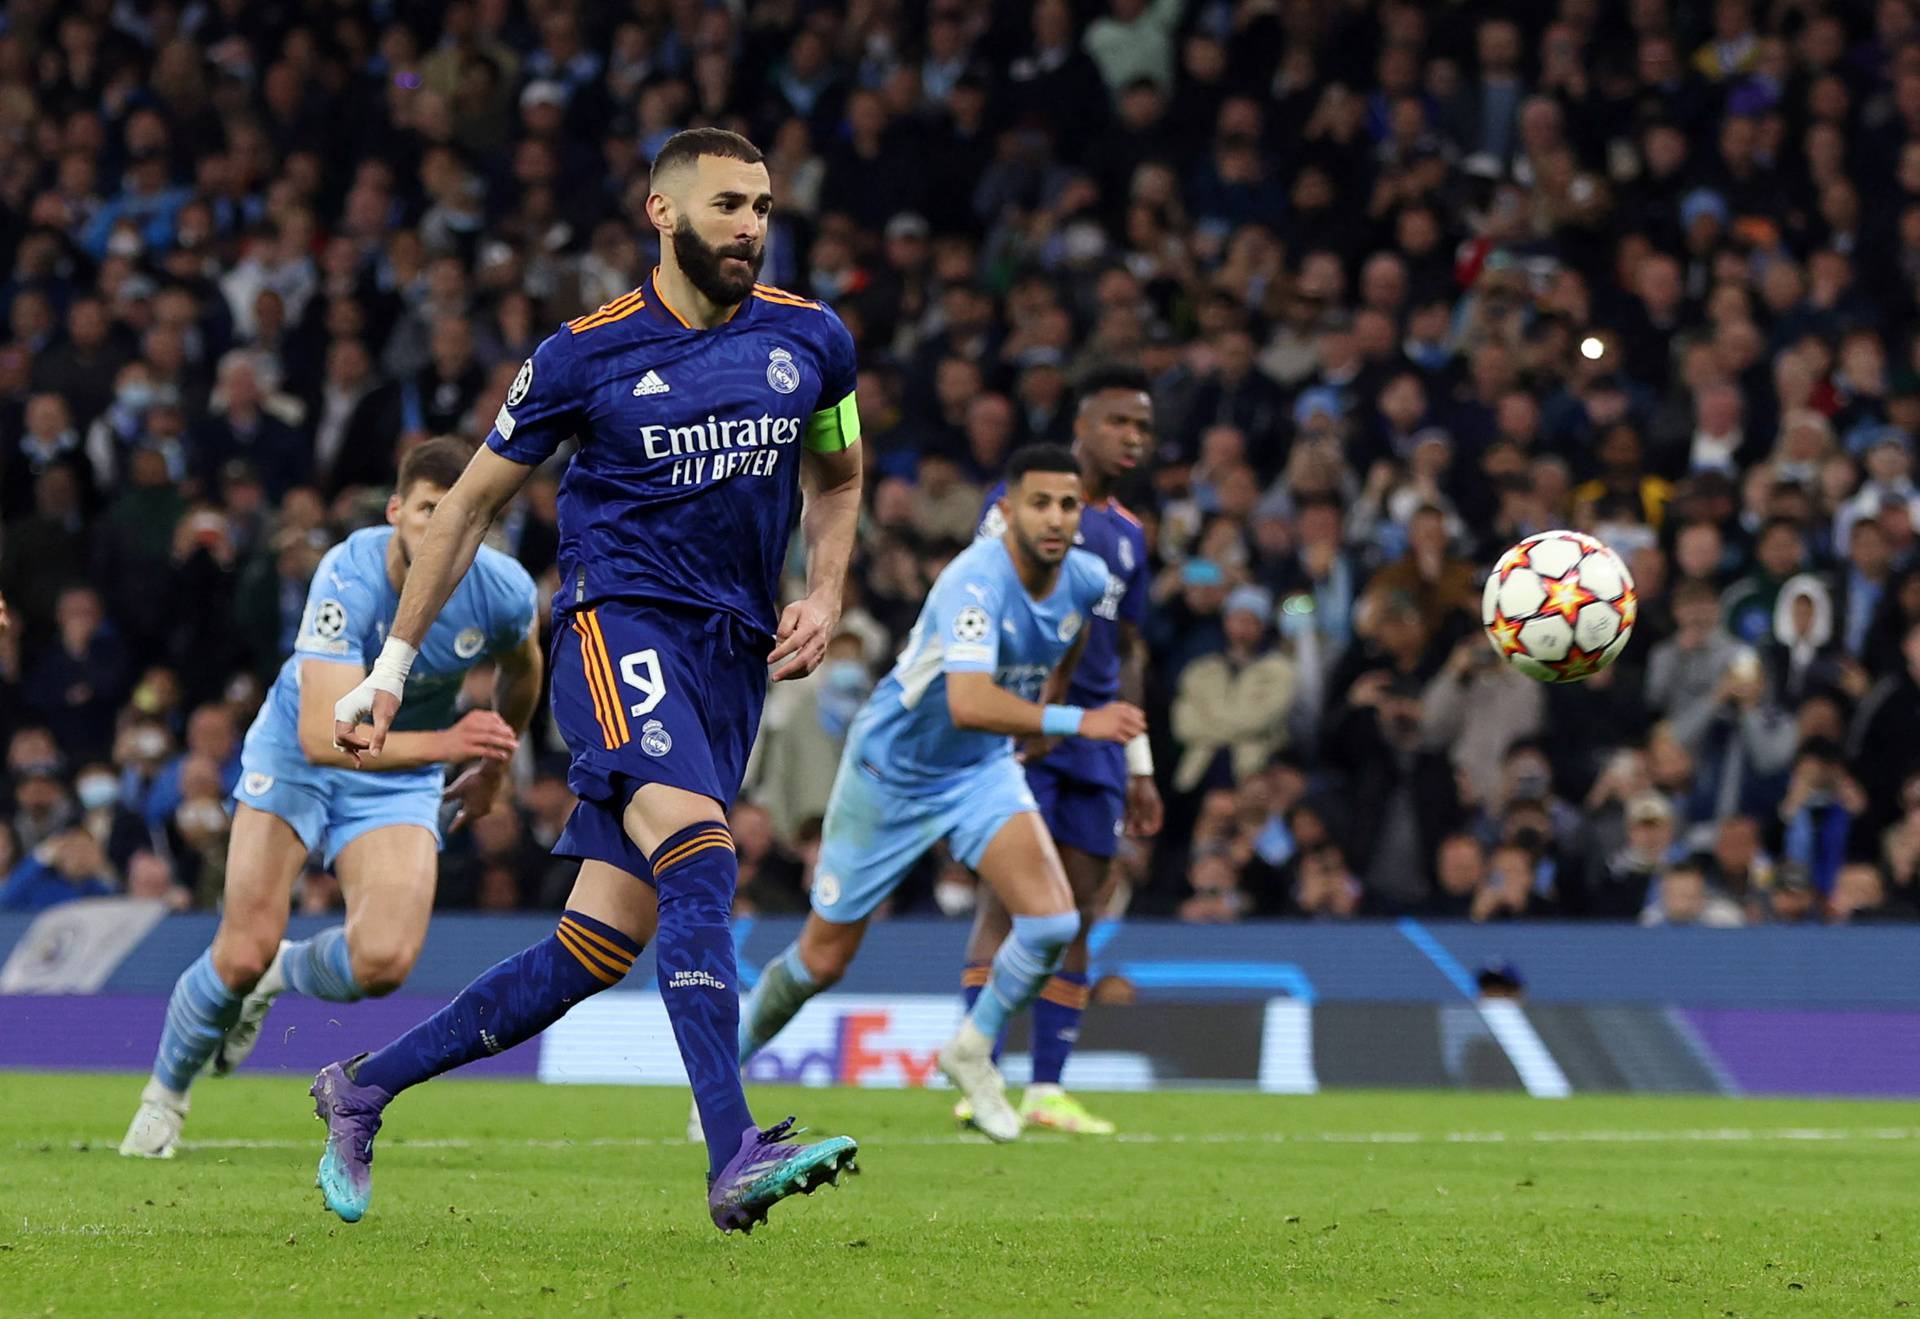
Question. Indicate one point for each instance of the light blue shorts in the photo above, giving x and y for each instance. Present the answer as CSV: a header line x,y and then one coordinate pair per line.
x,y
875,831
335,806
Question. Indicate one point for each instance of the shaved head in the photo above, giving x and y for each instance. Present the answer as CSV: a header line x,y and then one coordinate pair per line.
x,y
673,168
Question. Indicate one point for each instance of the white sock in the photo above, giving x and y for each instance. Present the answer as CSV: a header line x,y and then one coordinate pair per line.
x,y
970,1039
274,979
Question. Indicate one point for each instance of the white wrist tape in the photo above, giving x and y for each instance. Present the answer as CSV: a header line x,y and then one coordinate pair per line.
x,y
1140,757
391,668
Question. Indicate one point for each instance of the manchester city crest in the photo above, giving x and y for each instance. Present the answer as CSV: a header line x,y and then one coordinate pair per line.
x,y
654,738
782,372
469,642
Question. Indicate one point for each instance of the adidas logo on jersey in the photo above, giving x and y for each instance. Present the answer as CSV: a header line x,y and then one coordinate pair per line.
x,y
650,383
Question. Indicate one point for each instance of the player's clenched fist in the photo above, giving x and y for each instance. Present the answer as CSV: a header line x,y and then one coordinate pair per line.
x,y
1114,722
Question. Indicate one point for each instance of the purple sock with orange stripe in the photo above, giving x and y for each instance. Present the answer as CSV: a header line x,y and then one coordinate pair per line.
x,y
1056,1024
694,872
510,1002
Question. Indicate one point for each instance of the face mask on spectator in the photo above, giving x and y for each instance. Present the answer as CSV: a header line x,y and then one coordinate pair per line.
x,y
844,685
97,790
135,395
829,284
1531,784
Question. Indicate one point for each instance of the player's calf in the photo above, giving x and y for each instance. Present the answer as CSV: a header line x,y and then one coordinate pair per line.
x,y
1022,965
810,965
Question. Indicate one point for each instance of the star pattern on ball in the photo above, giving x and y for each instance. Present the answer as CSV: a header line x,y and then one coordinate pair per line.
x,y
1506,635
1520,556
1579,664
1629,607
1565,597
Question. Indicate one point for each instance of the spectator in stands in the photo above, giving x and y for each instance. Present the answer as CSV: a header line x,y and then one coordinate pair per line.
x,y
1216,899
769,874
802,732
1460,869
1619,887
1682,897
1230,713
1738,866
36,771
1327,888
1886,731
66,866
1748,607
1506,889
1445,586
1684,671
212,736
1819,810
1479,708
150,877
1859,897
1401,790
120,833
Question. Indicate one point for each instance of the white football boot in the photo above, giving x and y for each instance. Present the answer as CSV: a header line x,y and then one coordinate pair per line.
x,y
156,1124
967,1061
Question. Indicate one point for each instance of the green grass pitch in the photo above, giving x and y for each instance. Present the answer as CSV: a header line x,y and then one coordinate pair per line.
x,y
519,1199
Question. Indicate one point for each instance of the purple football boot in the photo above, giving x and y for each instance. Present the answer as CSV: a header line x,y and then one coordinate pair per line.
x,y
352,1114
766,1171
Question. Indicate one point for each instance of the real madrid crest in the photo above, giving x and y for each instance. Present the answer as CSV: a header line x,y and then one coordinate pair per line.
x,y
654,738
783,373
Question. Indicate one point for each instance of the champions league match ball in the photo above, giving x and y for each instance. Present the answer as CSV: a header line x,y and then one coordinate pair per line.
x,y
1559,606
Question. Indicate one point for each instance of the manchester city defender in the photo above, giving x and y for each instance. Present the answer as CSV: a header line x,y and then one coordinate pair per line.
x,y
931,756
380,832
1087,790
705,405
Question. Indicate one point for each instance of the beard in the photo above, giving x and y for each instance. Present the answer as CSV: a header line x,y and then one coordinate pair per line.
x,y
701,264
1030,546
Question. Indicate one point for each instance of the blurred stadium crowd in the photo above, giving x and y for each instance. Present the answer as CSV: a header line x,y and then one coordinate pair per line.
x,y
1408,282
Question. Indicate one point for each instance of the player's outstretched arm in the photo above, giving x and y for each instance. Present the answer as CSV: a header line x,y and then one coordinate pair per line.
x,y
976,703
829,519
459,523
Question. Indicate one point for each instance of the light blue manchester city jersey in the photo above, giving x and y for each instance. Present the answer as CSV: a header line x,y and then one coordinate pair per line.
x,y
978,619
350,606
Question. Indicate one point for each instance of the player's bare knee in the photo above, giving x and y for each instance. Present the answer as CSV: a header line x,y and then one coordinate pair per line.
x,y
381,966
241,959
